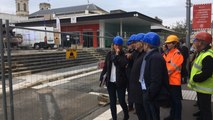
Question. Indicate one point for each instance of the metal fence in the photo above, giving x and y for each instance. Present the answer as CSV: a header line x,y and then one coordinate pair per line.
x,y
37,80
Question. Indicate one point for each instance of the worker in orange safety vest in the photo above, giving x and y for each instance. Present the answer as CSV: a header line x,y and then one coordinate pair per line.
x,y
174,60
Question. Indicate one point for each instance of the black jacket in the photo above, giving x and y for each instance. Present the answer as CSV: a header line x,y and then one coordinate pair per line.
x,y
185,52
120,63
207,69
130,63
135,91
155,74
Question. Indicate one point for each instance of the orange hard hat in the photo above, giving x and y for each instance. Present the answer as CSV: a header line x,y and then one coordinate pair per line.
x,y
204,36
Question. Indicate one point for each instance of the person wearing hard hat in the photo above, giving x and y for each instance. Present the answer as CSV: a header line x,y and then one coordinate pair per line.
x,y
116,80
134,85
201,77
130,46
129,54
152,75
174,60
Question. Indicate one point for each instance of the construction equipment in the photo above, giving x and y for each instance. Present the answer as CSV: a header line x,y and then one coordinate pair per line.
x,y
37,39
15,39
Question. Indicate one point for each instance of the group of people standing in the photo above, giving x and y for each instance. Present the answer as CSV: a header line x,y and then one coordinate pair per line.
x,y
153,78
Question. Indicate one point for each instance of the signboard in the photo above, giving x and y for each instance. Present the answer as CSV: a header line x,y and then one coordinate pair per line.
x,y
202,16
71,54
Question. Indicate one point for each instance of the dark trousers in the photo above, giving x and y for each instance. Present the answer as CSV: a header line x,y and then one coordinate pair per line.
x,y
176,107
184,80
151,108
112,90
204,104
140,111
130,104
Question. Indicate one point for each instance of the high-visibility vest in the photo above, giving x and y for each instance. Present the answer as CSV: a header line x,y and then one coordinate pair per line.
x,y
174,60
207,85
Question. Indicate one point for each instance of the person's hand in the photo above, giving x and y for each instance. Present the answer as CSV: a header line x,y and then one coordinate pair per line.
x,y
102,83
128,55
117,51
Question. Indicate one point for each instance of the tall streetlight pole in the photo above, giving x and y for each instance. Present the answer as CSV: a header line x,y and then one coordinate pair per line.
x,y
188,22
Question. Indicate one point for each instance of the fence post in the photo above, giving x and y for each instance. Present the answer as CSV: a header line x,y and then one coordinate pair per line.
x,y
9,70
3,73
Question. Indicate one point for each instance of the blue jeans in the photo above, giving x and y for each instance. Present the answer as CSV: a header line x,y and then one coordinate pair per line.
x,y
112,89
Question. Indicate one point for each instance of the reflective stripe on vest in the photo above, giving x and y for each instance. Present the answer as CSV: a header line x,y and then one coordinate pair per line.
x,y
210,90
207,85
173,64
197,66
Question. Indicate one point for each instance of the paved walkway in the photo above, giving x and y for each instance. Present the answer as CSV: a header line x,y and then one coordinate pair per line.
x,y
42,77
189,96
188,108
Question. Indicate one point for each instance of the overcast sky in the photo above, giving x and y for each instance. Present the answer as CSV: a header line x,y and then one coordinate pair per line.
x,y
170,11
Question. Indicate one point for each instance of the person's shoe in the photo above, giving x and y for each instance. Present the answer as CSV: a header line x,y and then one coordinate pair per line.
x,y
168,118
196,114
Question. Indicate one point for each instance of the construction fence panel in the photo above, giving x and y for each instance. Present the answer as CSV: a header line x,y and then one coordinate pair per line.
x,y
45,84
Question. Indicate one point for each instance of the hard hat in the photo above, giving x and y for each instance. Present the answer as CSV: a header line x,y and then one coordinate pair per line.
x,y
118,40
204,36
140,37
131,38
128,42
152,38
172,38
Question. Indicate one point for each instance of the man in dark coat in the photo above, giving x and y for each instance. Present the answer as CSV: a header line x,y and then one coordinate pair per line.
x,y
152,74
129,55
185,52
134,85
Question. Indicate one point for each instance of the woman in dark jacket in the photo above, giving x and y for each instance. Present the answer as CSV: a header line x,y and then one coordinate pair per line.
x,y
116,79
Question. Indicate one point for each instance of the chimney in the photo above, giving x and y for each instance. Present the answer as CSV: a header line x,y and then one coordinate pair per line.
x,y
44,6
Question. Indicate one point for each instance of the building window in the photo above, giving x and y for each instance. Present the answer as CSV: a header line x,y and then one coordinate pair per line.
x,y
25,7
18,6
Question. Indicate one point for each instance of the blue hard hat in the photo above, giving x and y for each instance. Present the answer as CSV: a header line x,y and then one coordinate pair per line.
x,y
131,38
118,40
152,38
128,42
140,37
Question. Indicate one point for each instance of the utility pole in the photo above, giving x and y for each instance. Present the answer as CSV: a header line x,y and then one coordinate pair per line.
x,y
188,22
188,27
